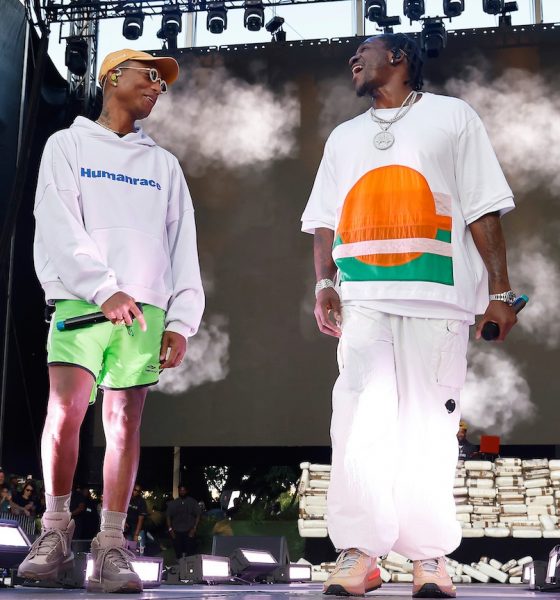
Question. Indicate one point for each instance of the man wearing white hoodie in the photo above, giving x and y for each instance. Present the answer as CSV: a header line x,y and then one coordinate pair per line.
x,y
114,227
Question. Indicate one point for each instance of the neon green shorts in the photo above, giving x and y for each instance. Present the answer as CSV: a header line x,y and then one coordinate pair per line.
x,y
118,357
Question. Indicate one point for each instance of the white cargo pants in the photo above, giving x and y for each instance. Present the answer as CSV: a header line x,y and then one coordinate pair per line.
x,y
394,426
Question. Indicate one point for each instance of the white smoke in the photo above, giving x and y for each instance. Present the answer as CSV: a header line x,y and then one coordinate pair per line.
x,y
496,396
521,111
338,103
206,359
537,274
218,120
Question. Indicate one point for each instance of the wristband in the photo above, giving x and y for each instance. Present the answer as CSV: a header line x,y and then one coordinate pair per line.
x,y
323,284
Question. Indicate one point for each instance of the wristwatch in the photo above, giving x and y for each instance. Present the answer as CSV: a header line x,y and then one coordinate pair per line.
x,y
507,297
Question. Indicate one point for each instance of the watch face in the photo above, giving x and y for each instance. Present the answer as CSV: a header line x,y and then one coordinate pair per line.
x,y
510,297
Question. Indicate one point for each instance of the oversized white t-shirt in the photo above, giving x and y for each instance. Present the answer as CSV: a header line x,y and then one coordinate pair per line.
x,y
401,215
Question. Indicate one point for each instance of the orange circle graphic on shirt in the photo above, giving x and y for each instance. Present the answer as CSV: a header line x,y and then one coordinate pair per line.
x,y
389,203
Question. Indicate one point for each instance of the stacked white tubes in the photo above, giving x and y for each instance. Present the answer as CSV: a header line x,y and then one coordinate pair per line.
x,y
481,489
510,497
312,492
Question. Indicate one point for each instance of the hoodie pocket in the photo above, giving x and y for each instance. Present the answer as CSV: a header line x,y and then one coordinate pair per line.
x,y
136,257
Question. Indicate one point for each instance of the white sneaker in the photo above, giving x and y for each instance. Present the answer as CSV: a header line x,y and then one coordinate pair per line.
x,y
50,555
112,569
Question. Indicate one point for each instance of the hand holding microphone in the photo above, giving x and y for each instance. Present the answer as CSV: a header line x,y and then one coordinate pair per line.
x,y
491,330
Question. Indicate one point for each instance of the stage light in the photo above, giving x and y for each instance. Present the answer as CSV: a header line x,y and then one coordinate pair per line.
x,y
148,568
252,564
14,544
216,19
552,574
171,25
496,7
414,9
375,10
253,18
453,8
76,56
292,573
274,26
433,37
202,568
534,573
133,24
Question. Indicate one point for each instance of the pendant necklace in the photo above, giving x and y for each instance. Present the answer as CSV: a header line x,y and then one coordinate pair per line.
x,y
385,139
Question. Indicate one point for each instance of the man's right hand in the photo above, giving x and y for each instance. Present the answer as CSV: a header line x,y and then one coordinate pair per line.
x,y
328,312
120,308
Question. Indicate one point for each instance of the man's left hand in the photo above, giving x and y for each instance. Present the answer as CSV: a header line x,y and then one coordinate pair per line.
x,y
173,349
501,313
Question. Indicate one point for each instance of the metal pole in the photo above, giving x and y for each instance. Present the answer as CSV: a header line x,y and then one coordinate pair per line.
x,y
176,469
190,32
9,290
358,25
538,10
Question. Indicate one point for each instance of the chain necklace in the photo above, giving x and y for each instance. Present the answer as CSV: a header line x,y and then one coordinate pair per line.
x,y
385,139
109,129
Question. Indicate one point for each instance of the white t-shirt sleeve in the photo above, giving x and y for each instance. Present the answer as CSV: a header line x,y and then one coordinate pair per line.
x,y
481,183
321,206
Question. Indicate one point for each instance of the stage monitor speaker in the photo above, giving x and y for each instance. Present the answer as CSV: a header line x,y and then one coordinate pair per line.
x,y
225,545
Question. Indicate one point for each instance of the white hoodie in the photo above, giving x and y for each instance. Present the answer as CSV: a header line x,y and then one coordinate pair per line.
x,y
115,214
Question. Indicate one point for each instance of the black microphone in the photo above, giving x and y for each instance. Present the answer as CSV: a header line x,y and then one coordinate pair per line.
x,y
84,320
491,330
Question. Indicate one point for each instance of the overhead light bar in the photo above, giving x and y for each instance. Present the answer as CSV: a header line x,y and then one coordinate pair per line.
x,y
453,8
433,37
216,20
414,9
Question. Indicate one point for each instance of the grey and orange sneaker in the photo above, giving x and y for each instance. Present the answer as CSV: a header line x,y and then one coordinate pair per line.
x,y
50,556
112,569
431,579
355,573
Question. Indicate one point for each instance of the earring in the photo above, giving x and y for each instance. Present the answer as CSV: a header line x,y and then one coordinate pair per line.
x,y
392,61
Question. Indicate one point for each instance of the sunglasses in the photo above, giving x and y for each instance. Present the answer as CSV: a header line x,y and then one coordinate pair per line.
x,y
153,74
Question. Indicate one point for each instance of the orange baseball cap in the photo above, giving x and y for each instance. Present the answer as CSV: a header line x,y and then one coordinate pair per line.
x,y
167,66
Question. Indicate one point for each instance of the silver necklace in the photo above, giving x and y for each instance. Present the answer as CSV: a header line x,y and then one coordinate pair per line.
x,y
385,139
109,129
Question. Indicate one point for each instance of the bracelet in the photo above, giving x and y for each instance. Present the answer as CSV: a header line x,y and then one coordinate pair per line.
x,y
323,284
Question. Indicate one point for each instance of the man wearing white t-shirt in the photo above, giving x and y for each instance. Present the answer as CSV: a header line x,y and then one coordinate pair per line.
x,y
405,212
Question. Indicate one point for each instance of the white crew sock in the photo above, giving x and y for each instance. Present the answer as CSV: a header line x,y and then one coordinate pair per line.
x,y
58,504
112,520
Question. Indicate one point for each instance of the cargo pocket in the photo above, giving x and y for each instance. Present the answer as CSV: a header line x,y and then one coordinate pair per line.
x,y
451,369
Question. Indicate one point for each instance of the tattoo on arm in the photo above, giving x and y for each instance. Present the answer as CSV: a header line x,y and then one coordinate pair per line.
x,y
325,267
489,240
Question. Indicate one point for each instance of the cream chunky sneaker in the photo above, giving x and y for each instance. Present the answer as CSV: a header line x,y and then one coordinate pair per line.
x,y
355,573
431,579
50,555
112,570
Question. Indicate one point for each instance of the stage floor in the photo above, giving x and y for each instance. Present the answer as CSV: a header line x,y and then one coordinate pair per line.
x,y
311,591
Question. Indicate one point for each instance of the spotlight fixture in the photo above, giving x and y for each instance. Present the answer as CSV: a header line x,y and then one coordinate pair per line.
x,y
433,37
133,24
171,25
216,20
553,568
496,7
274,26
202,568
253,17
376,12
414,9
14,544
252,564
76,56
453,8
294,572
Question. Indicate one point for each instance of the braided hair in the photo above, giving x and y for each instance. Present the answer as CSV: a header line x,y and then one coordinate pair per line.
x,y
400,43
